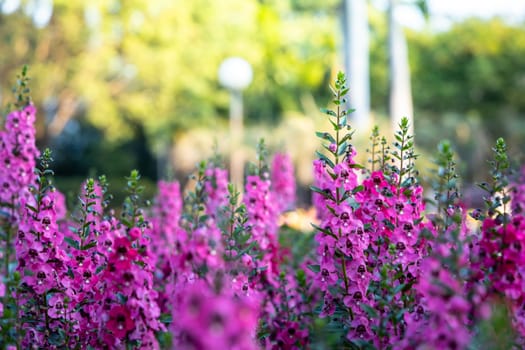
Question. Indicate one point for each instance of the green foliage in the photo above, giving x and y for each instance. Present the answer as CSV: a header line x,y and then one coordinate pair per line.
x,y
86,203
445,184
21,89
235,226
262,168
374,144
497,332
194,209
132,212
339,141
155,62
44,179
474,67
119,66
404,156
472,74
497,194
390,314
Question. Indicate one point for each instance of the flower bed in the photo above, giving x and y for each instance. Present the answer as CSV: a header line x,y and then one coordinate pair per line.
x,y
209,270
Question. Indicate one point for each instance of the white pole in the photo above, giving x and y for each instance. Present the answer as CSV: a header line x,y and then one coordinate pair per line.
x,y
400,99
236,132
357,61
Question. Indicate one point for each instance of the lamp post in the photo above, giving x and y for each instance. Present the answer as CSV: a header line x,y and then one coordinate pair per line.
x,y
236,74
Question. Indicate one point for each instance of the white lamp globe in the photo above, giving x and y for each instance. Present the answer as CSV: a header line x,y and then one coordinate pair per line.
x,y
235,73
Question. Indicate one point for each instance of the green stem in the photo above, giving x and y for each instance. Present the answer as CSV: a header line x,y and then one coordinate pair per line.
x,y
502,249
343,262
337,129
17,320
373,154
232,222
46,317
7,254
401,165
382,160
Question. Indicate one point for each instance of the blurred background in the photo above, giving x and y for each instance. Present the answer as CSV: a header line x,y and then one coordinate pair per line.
x,y
135,84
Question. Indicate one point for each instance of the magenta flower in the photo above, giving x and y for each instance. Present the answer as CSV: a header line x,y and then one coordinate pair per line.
x,y
18,154
206,319
120,321
262,214
283,182
216,186
289,335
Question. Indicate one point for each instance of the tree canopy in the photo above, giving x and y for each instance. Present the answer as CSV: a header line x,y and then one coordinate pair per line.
x,y
155,62
144,68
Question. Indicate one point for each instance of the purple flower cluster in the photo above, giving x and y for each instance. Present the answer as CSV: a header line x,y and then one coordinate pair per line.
x,y
18,155
209,319
283,182
381,270
43,267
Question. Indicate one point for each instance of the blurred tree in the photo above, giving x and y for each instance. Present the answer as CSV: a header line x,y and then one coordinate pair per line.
x,y
156,62
139,67
471,82
477,65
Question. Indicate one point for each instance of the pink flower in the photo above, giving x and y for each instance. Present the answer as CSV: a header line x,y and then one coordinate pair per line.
x,y
360,329
120,321
206,319
216,186
346,178
56,306
290,336
283,182
134,233
247,260
123,250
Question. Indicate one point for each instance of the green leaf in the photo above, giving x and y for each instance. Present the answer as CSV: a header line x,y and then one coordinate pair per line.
x,y
371,312
358,189
242,238
121,298
300,276
328,112
315,268
342,121
91,244
100,269
73,243
325,194
57,338
126,222
325,136
347,137
353,203
362,344
343,146
332,210
140,263
346,195
323,230
166,318
327,160
30,207
332,175
356,166
246,250
398,288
